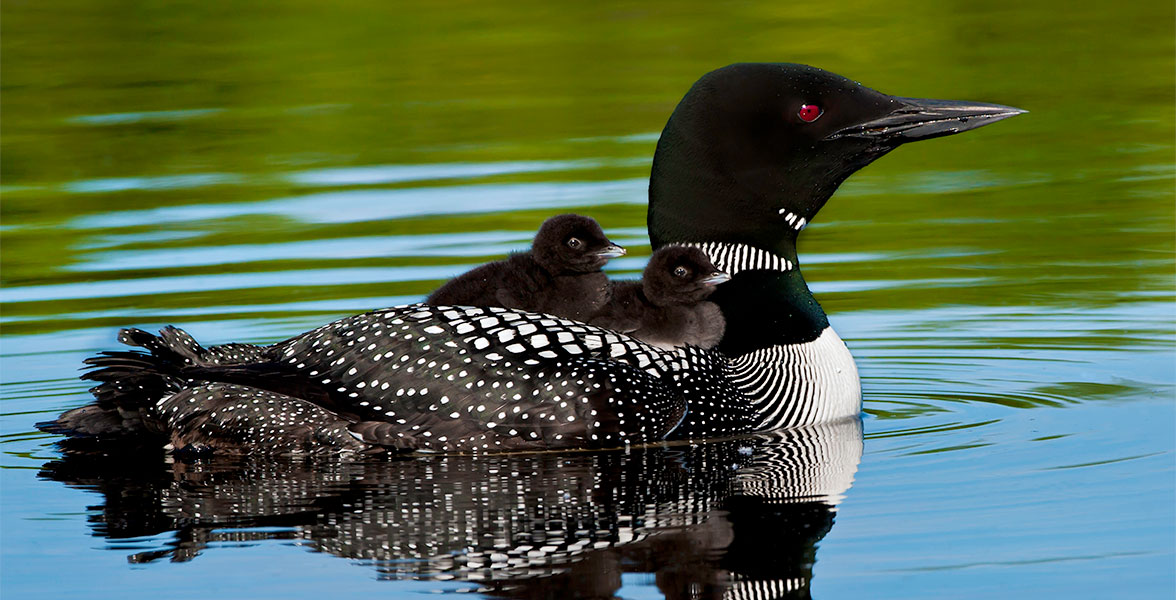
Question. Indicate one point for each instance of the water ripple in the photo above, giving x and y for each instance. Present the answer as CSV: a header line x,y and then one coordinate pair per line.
x,y
380,204
120,288
485,243
382,174
163,182
151,116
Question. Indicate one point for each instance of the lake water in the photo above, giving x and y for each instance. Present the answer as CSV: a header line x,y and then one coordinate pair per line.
x,y
250,171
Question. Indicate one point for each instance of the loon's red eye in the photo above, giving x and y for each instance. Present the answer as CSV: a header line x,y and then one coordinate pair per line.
x,y
809,113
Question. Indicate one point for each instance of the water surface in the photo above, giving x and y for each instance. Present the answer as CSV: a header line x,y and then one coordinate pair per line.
x,y
252,172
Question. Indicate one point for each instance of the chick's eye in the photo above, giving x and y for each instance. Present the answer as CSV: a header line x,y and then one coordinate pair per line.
x,y
681,272
809,113
574,243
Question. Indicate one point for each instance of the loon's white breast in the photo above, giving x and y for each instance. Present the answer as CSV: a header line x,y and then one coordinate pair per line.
x,y
791,385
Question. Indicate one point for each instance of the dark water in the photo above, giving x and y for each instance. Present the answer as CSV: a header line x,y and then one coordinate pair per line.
x,y
250,171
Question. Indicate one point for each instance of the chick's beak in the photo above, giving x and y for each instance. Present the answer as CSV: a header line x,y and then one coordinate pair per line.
x,y
611,251
716,278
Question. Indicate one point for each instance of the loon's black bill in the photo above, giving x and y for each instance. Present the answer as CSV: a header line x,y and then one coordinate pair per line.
x,y
921,118
611,252
716,278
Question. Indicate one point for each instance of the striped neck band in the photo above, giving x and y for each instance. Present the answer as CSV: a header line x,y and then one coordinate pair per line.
x,y
733,258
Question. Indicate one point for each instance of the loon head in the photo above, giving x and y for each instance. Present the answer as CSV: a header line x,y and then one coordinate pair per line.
x,y
754,150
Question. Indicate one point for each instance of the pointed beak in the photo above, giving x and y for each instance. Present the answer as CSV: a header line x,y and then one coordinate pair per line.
x,y
921,119
611,251
716,278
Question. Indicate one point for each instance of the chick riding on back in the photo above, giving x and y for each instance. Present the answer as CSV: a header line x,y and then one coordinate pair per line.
x,y
668,307
559,276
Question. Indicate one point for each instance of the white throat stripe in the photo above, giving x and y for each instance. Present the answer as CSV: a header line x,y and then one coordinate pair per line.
x,y
733,258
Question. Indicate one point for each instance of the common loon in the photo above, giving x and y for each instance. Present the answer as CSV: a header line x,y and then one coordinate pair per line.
x,y
560,276
748,157
668,307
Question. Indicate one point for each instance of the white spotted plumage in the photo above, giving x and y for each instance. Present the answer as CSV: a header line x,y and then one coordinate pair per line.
x,y
472,379
532,366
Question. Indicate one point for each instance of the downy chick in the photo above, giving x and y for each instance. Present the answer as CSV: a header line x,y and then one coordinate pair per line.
x,y
559,276
668,307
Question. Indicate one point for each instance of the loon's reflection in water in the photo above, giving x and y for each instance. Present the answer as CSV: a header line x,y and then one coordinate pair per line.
x,y
737,518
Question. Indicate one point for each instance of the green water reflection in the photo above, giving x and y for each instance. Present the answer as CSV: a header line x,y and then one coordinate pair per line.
x,y
153,107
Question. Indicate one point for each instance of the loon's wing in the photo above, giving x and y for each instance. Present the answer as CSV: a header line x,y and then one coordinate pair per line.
x,y
410,377
465,378
232,418
418,377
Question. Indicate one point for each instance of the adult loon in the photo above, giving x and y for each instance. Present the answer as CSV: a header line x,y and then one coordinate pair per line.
x,y
748,157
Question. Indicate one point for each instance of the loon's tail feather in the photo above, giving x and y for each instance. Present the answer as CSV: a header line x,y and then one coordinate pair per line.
x,y
130,383
122,408
172,344
171,393
179,349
